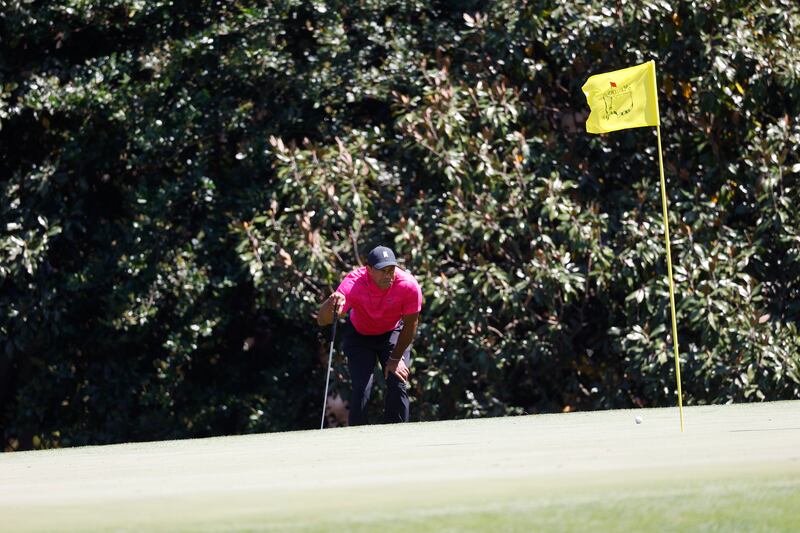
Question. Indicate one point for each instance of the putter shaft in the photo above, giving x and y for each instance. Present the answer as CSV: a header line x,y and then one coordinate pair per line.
x,y
328,376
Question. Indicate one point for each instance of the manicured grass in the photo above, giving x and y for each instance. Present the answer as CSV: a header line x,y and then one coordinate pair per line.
x,y
735,468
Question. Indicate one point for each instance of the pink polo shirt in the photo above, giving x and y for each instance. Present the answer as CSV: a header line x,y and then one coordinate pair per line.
x,y
376,311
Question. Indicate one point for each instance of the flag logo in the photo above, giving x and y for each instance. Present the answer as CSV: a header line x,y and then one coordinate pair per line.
x,y
618,101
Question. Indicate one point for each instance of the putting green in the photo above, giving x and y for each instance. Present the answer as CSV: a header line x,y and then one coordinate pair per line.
x,y
735,468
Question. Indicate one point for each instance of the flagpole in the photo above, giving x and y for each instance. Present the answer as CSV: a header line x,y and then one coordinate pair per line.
x,y
669,273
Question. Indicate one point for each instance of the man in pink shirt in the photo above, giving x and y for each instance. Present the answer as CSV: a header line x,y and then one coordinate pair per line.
x,y
384,302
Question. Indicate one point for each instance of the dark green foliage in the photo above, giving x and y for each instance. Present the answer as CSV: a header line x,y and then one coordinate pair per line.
x,y
183,182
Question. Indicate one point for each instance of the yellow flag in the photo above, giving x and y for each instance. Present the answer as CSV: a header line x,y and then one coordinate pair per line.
x,y
622,99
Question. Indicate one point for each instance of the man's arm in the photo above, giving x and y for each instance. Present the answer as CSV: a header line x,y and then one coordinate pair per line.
x,y
334,302
404,339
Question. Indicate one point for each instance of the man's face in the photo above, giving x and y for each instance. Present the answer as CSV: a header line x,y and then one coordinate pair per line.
x,y
383,277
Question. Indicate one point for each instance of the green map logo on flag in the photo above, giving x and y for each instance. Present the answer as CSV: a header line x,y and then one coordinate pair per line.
x,y
618,100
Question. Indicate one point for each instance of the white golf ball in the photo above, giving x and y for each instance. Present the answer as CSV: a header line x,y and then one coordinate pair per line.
x,y
638,419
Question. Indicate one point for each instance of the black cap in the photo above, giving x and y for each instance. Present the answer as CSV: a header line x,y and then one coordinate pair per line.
x,y
381,257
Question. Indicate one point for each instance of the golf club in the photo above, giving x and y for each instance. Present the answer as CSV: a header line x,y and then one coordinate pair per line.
x,y
330,361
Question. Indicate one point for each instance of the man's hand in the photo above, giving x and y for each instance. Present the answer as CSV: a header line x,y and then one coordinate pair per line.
x,y
396,365
337,301
398,368
331,308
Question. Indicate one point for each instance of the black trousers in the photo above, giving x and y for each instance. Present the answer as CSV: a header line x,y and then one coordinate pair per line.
x,y
362,352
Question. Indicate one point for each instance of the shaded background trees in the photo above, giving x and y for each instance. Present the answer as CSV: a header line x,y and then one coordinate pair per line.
x,y
182,185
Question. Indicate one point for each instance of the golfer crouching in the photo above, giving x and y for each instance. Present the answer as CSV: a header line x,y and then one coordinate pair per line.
x,y
384,303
